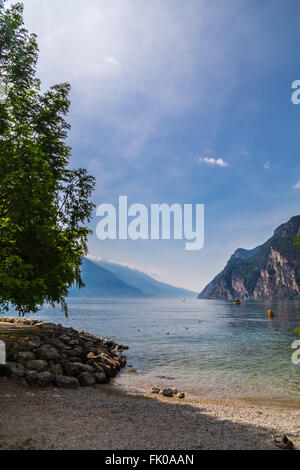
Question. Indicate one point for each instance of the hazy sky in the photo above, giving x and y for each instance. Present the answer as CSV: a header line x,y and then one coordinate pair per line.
x,y
183,101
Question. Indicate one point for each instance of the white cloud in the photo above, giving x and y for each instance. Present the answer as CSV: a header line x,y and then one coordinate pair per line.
x,y
297,185
267,165
213,161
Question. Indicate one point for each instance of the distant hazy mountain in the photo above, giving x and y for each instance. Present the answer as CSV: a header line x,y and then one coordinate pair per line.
x,y
100,282
145,283
271,270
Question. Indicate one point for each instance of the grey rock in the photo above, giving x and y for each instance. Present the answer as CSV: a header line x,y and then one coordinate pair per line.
x,y
31,378
56,369
49,352
45,378
268,271
180,395
66,382
30,344
25,355
100,377
96,366
84,367
60,345
154,390
16,368
67,367
36,364
65,338
74,359
167,392
86,379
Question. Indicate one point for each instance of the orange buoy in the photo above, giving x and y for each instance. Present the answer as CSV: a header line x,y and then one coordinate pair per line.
x,y
270,314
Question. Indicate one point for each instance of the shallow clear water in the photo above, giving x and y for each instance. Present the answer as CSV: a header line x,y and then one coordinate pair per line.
x,y
205,347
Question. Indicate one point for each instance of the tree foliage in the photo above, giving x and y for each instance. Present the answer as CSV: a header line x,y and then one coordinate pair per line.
x,y
44,205
296,242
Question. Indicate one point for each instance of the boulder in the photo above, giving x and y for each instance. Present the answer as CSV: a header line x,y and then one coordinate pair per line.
x,y
96,366
49,352
55,354
76,352
86,379
45,378
167,392
83,367
25,355
60,345
31,378
16,368
56,369
100,377
65,338
180,395
123,361
154,390
30,343
108,370
67,367
74,359
66,382
36,364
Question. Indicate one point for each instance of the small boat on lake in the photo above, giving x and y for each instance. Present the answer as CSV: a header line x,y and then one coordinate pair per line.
x,y
237,302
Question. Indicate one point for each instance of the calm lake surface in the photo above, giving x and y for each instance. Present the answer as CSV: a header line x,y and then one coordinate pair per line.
x,y
204,347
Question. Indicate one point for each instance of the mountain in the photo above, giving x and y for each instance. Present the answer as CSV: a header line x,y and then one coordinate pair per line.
x,y
100,282
271,270
145,283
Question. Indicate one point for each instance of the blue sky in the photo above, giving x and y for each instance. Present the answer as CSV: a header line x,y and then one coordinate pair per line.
x,y
181,101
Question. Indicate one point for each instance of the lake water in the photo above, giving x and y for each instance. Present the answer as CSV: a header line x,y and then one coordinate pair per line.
x,y
203,347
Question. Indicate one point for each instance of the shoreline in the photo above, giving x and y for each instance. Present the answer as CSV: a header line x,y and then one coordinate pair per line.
x,y
107,418
194,399
199,397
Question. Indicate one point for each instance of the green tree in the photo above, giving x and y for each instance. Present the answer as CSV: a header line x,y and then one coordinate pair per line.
x,y
296,242
44,205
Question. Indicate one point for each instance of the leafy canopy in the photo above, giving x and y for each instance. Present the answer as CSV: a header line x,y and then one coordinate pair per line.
x,y
44,205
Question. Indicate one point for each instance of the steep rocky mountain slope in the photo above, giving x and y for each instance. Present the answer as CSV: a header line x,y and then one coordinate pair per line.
x,y
271,270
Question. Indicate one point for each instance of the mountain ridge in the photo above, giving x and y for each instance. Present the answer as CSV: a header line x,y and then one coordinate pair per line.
x,y
100,282
270,270
140,280
107,279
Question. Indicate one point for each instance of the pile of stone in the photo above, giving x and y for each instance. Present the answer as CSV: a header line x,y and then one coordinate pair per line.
x,y
44,354
167,392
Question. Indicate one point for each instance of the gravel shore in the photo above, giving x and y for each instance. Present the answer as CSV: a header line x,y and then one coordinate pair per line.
x,y
104,417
